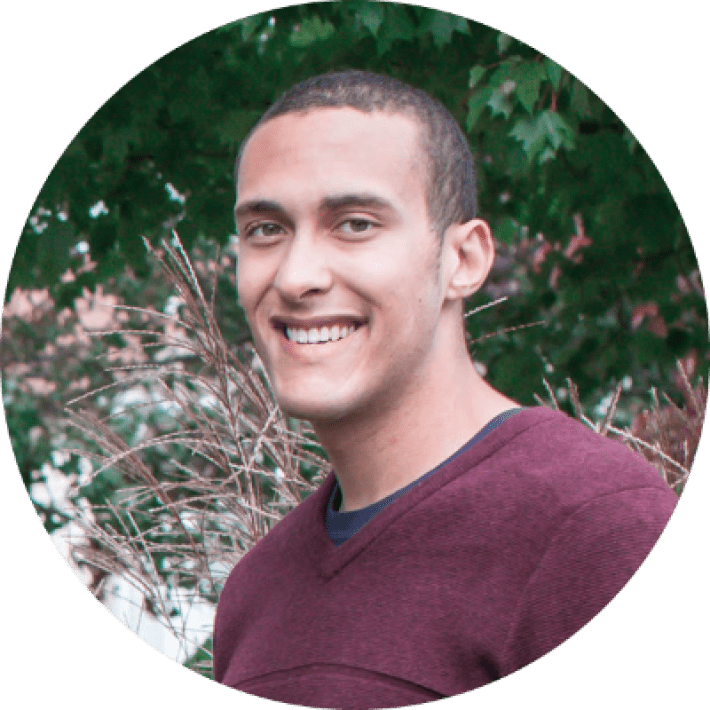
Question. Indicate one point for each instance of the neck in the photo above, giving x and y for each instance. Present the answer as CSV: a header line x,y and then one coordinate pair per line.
x,y
377,452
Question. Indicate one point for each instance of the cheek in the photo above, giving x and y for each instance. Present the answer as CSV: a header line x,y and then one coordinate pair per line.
x,y
405,288
252,281
381,270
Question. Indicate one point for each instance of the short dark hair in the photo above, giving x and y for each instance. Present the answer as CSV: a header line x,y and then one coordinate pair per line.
x,y
451,181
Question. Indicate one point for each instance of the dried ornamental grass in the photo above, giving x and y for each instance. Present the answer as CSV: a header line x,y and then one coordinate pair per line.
x,y
234,465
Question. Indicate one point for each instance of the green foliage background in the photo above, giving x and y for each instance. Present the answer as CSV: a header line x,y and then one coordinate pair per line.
x,y
559,678
547,149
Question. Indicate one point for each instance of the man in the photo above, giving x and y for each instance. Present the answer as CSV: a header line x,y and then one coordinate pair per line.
x,y
459,536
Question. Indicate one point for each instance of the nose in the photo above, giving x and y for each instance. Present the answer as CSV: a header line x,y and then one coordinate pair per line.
x,y
304,270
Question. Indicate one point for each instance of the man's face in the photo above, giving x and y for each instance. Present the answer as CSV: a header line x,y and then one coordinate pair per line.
x,y
337,262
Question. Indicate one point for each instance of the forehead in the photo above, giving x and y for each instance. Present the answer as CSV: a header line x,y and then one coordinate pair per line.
x,y
333,149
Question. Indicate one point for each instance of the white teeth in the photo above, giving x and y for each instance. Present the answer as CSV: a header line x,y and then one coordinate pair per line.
x,y
318,335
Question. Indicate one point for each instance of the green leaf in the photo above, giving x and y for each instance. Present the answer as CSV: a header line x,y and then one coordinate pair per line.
x,y
630,140
311,30
500,103
396,26
531,133
504,42
554,73
371,15
461,25
476,104
579,102
558,133
475,75
546,154
249,26
442,25
441,30
543,135
508,70
530,76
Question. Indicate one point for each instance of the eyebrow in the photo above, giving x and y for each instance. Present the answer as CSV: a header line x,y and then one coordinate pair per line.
x,y
332,203
257,207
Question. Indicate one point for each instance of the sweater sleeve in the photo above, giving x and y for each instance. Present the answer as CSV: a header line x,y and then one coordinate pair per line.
x,y
586,564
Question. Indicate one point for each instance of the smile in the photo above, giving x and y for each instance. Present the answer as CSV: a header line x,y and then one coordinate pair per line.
x,y
313,336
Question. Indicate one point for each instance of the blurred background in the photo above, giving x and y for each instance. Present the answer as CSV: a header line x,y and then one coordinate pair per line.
x,y
602,287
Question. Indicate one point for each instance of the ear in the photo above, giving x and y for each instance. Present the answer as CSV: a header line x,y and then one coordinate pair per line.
x,y
468,256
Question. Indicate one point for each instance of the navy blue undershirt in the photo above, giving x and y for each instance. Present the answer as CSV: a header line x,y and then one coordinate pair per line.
x,y
342,526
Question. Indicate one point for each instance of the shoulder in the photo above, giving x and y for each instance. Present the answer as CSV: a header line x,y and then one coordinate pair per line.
x,y
548,449
594,509
541,475
582,511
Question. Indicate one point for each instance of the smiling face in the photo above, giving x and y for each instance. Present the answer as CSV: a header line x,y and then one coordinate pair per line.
x,y
338,265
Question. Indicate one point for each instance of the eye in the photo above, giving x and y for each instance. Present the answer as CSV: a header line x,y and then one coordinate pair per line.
x,y
263,231
356,226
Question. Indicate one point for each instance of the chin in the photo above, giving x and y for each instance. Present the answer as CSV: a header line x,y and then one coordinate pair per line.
x,y
311,411
314,409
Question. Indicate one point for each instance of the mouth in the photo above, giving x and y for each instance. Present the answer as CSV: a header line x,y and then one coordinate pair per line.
x,y
317,331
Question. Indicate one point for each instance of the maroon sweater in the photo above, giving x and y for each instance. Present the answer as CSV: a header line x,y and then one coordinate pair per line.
x,y
485,566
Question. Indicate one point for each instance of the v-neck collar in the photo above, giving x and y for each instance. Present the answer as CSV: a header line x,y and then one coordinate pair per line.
x,y
342,526
328,558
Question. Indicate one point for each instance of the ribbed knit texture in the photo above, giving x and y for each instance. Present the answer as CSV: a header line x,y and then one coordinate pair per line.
x,y
490,563
341,526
